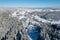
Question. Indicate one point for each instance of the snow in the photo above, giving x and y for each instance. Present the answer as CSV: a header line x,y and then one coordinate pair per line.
x,y
46,21
25,20
41,19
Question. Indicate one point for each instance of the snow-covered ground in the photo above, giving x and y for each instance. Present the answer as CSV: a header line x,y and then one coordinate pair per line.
x,y
22,15
22,12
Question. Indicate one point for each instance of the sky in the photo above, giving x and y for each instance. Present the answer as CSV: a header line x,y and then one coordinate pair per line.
x,y
29,3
